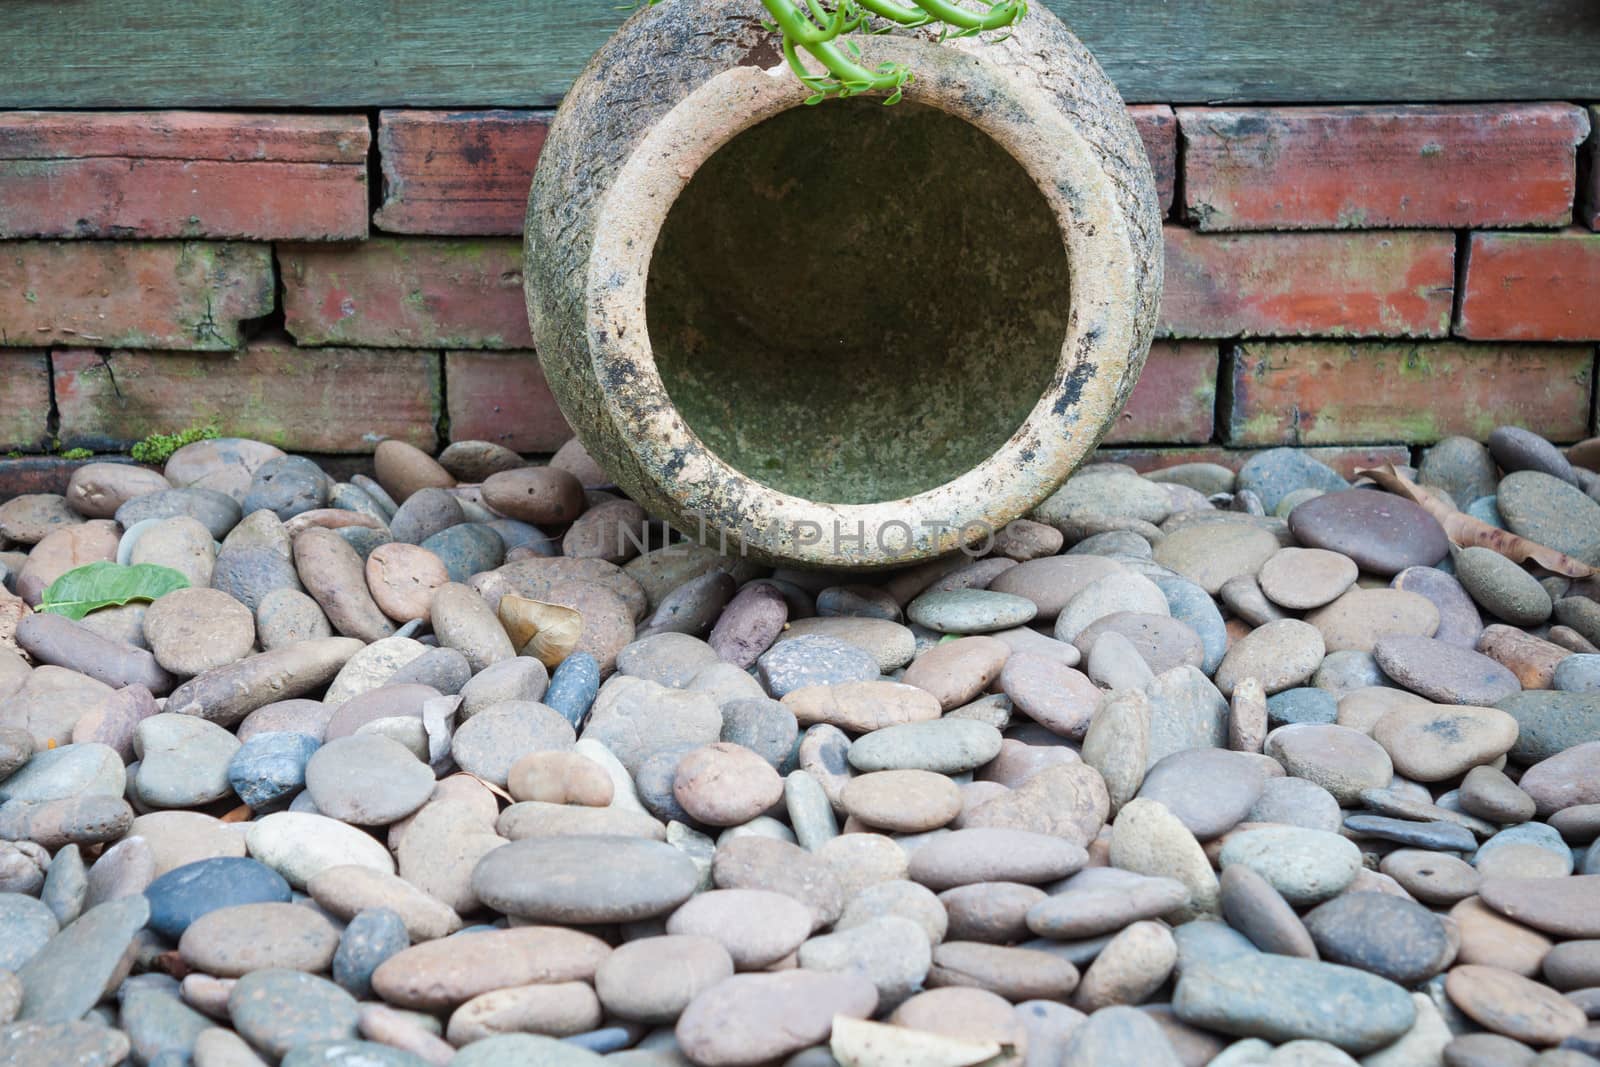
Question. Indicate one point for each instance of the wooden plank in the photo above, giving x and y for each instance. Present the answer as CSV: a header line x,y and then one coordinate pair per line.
x,y
524,53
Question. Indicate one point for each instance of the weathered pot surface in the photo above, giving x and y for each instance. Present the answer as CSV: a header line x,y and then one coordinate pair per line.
x,y
846,335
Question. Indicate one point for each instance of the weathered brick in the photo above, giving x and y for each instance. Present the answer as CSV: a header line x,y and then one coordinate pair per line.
x,y
457,172
1429,165
189,295
43,474
1333,393
1175,400
502,397
1158,129
1308,284
308,400
183,174
1532,287
395,292
1589,174
24,399
1346,460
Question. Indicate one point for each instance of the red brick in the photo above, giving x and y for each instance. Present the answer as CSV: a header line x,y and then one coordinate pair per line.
x,y
43,474
189,295
24,399
1158,129
1176,398
1429,165
306,400
183,174
1532,287
406,293
458,172
1308,284
1345,460
502,397
1334,393
1589,174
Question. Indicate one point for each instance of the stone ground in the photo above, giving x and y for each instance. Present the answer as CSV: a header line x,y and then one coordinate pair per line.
x,y
438,768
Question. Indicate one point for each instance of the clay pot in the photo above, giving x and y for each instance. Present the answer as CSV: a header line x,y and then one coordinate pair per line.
x,y
847,335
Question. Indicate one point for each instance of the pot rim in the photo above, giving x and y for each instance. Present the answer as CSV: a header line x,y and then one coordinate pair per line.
x,y
1059,432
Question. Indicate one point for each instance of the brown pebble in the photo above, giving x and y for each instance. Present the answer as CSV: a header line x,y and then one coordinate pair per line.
x,y
535,494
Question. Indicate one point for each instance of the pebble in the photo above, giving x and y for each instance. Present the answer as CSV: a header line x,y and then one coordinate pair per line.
x,y
1432,744
1341,760
1443,672
371,938
1461,467
1304,578
1075,913
237,939
947,746
814,660
70,973
183,761
970,611
1116,592
1255,908
1513,1006
1278,655
1551,512
1432,877
367,779
1382,934
1275,473
725,784
490,742
1055,696
1186,711
1302,704
185,894
1148,839
276,1010
581,879
1209,790
1383,533
300,845
753,1018
902,801
1305,866
1501,587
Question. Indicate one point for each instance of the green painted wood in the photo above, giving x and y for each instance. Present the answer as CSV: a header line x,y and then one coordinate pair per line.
x,y
524,53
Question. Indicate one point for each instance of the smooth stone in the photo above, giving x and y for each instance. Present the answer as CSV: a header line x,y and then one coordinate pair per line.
x,y
1341,760
1296,802
1115,663
963,857
635,718
653,979
1254,907
905,801
285,616
270,766
491,741
438,976
1550,723
1512,1005
814,660
78,965
1459,621
1443,672
1210,555
1133,965
1531,850
759,862
585,879
890,644
464,621
1432,744
1516,449
159,1025
1148,839
1305,866
1280,998
1432,877
1302,705
1091,493
669,659
964,1013
1577,674
573,686
970,611
286,486
1076,913
1279,655
1382,934
183,761
299,845
1432,835
467,549
1383,533
1161,641
1487,793
725,784
218,512
948,746
88,769
1550,512
1275,473
1208,790
1013,973
956,672
1501,587
1186,711
29,925
181,896
1568,779
367,780
1120,591
757,927
276,1010
1193,606
754,1018
1359,618
1461,467
1304,578
1055,696
237,939
370,939
81,1043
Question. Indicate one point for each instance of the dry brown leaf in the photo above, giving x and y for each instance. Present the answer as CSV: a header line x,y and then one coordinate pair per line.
x,y
1466,531
547,632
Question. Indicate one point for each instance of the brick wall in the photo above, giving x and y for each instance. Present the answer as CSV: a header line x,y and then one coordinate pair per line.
x,y
1354,279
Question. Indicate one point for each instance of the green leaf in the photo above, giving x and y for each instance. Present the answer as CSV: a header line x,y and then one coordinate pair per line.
x,y
104,585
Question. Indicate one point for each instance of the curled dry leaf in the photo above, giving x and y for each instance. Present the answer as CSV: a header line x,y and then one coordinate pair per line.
x,y
1466,531
329,519
547,632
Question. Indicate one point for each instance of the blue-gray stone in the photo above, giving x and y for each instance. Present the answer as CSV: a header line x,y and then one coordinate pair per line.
x,y
1549,722
1276,473
444,669
1119,1036
424,513
945,746
573,687
813,659
764,726
286,486
185,893
371,937
1304,704
1537,834
1445,836
524,1050
971,611
1193,606
28,924
1578,674
517,534
653,781
1348,669
364,539
350,1054
349,497
1551,512
270,766
1382,934
467,549
606,1039
217,512
1206,942
1282,998
157,1022
1487,509
67,977
277,1010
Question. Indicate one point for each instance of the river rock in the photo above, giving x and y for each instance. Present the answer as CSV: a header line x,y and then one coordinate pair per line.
x,y
276,1010
367,780
237,939
1278,655
585,879
299,845
1381,532
753,1018
1434,743
1550,512
183,761
1443,672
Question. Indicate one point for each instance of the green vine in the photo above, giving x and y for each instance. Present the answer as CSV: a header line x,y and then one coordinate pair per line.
x,y
809,26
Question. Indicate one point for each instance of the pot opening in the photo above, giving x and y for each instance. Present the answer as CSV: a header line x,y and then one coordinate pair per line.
x,y
854,303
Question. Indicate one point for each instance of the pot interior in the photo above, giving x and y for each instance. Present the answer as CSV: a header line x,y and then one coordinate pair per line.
x,y
854,303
